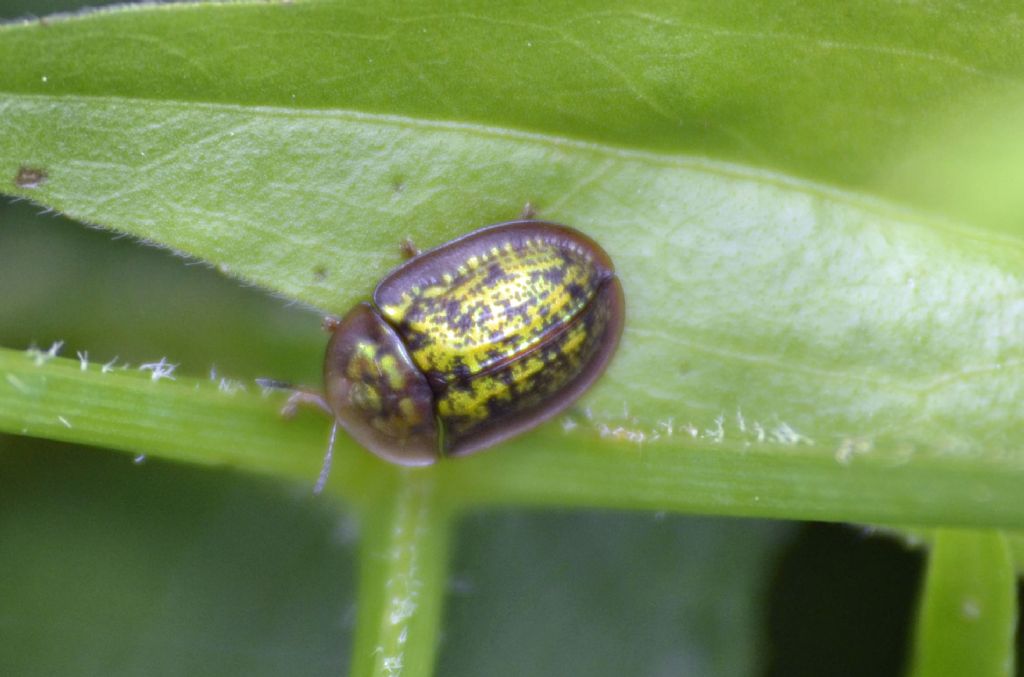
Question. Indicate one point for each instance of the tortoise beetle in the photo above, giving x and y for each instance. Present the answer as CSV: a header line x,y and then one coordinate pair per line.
x,y
473,342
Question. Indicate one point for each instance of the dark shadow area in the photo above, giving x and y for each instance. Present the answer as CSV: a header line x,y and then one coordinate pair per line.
x,y
842,603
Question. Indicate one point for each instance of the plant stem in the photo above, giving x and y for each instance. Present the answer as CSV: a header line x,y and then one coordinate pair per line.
x,y
402,579
968,613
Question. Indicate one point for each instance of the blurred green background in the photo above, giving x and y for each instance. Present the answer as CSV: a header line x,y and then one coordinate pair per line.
x,y
116,567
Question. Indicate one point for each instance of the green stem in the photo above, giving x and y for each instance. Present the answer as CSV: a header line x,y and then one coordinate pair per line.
x,y
968,613
402,580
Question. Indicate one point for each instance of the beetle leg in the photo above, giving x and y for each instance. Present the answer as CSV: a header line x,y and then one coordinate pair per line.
x,y
409,248
299,397
302,397
330,322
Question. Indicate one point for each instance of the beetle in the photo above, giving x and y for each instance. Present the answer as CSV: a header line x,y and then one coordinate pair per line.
x,y
472,342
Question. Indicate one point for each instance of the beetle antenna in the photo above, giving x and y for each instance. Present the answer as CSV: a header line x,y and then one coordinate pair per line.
x,y
325,469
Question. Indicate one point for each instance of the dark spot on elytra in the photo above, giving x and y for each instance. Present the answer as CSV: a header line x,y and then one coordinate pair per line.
x,y
497,409
554,275
506,376
414,341
576,290
495,273
30,177
456,318
522,311
461,372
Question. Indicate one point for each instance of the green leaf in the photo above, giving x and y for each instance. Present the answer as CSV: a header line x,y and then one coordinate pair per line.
x,y
1015,540
782,317
968,613
763,312
795,87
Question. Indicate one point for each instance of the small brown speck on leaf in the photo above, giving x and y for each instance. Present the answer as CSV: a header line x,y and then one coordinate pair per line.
x,y
29,177
320,273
